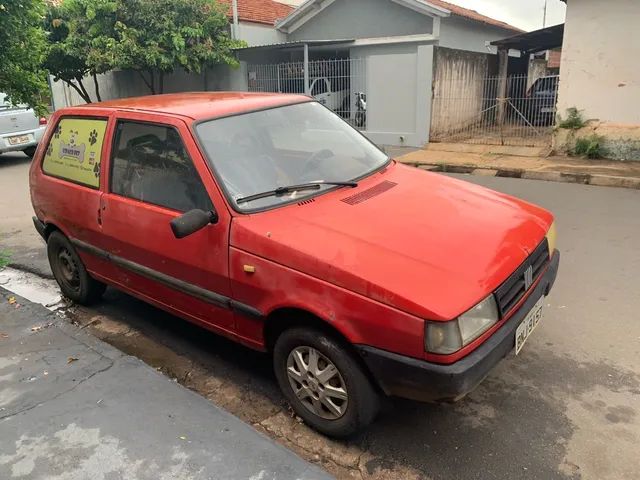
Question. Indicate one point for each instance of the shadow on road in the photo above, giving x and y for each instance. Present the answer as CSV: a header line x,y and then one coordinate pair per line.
x,y
13,158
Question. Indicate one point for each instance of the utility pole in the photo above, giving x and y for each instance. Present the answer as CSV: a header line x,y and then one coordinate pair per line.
x,y
544,17
234,28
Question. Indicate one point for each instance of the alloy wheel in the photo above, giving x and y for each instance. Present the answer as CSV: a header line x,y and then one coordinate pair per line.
x,y
317,383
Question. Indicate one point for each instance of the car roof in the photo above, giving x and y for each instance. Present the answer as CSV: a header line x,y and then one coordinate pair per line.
x,y
201,105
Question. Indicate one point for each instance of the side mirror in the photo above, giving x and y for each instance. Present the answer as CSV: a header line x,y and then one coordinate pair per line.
x,y
192,221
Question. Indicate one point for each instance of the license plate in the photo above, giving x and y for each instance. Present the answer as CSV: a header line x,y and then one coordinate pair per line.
x,y
528,324
19,140
548,110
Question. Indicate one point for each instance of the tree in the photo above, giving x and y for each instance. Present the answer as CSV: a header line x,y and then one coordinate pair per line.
x,y
22,45
155,37
81,42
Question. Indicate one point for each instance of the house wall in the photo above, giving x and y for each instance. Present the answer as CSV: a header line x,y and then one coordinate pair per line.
x,y
463,34
599,75
599,72
458,90
258,34
363,19
126,83
398,106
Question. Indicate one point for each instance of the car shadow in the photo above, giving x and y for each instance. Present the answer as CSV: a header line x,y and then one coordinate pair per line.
x,y
10,159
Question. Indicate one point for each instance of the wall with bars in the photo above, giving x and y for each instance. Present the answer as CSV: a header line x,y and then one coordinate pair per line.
x,y
467,110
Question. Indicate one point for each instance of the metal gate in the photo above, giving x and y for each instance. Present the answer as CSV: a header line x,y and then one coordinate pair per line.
x,y
339,84
474,112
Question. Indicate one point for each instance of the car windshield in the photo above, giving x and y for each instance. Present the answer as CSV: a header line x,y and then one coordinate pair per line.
x,y
296,144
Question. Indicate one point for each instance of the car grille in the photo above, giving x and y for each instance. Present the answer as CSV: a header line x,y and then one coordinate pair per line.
x,y
513,289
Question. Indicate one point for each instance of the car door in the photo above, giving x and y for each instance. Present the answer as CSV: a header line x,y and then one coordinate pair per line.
x,y
156,173
320,91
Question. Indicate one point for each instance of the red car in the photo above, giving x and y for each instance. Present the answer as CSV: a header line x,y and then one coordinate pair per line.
x,y
268,219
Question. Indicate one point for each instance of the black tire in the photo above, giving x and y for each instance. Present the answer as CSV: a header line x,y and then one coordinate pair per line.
x,y
70,272
30,151
362,402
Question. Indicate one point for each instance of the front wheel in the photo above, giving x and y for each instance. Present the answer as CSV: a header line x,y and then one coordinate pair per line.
x,y
70,272
30,151
324,382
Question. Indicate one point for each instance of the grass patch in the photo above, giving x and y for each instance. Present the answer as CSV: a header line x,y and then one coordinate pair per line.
x,y
574,120
590,147
5,258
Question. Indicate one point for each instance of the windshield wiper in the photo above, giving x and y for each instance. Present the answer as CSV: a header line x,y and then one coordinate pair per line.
x,y
293,188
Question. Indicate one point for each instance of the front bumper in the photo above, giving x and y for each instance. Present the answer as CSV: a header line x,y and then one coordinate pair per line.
x,y
415,379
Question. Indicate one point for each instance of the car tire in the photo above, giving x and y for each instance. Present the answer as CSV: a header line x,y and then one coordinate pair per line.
x,y
347,415
70,273
29,152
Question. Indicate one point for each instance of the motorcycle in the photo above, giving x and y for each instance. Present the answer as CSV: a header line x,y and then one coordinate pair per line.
x,y
361,109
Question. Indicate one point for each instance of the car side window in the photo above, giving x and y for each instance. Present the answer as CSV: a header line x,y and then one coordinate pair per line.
x,y
74,152
150,164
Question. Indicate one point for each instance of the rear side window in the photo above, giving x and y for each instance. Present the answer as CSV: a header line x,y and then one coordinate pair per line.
x,y
547,85
75,150
319,87
151,164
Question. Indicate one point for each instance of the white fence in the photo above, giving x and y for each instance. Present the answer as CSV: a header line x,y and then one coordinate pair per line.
x,y
339,84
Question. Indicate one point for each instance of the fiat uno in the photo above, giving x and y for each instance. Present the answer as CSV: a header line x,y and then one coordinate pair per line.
x,y
268,219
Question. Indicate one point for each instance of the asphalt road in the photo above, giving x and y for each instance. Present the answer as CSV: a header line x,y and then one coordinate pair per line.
x,y
17,234
567,407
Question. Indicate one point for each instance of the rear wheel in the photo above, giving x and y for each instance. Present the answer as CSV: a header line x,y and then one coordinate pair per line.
x,y
70,272
30,151
324,382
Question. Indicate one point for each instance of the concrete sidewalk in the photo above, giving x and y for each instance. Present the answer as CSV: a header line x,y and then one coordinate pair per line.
x,y
523,162
73,407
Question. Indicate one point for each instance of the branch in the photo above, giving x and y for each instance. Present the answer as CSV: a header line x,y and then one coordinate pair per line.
x,y
80,92
86,93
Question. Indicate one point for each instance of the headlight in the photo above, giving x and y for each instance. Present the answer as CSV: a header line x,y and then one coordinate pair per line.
x,y
551,238
449,337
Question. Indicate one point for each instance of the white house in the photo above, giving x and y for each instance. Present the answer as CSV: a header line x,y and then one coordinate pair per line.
x,y
599,72
400,53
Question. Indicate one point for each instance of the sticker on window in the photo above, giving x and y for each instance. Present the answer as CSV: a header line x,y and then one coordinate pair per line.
x,y
75,150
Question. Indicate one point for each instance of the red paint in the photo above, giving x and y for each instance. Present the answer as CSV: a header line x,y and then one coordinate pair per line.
x,y
430,247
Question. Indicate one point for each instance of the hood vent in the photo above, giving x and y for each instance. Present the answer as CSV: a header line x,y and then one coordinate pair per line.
x,y
369,193
304,202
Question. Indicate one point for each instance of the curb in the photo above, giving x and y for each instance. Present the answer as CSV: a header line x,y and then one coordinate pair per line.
x,y
562,177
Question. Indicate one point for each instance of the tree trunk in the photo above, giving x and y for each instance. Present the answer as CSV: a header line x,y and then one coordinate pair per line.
x,y
97,87
86,93
82,94
146,82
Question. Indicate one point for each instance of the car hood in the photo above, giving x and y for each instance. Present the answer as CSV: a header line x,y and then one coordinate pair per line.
x,y
422,242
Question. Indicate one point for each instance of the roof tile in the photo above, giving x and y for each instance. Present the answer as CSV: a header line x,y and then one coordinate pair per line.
x,y
260,11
